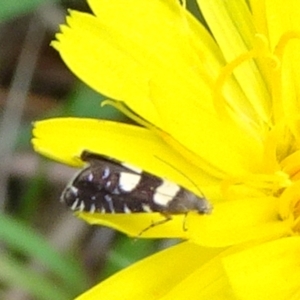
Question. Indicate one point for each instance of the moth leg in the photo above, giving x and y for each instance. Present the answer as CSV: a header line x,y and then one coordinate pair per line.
x,y
153,224
184,221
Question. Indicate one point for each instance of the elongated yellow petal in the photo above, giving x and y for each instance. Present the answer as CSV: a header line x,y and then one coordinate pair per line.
x,y
153,277
268,271
235,33
291,86
175,79
96,56
207,282
64,139
222,228
237,222
230,223
282,17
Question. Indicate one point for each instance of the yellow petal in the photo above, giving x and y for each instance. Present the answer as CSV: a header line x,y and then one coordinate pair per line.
x,y
291,85
238,222
120,56
258,9
94,54
167,78
268,271
64,139
232,26
282,17
154,276
230,223
207,282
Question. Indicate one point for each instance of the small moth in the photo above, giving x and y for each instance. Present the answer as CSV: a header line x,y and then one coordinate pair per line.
x,y
108,186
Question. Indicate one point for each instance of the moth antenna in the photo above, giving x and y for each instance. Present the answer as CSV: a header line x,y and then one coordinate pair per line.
x,y
180,172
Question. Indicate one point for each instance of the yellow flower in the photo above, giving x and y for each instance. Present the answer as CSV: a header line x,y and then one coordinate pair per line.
x,y
220,109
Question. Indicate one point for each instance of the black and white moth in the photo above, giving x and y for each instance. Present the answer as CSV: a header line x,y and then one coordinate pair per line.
x,y
108,186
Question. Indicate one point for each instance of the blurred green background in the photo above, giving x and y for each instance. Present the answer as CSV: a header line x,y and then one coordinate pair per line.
x,y
45,252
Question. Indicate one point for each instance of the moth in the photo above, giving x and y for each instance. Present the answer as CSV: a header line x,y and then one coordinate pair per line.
x,y
109,186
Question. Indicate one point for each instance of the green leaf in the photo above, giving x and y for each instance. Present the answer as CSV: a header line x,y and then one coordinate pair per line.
x,y
85,102
14,8
20,237
16,274
127,251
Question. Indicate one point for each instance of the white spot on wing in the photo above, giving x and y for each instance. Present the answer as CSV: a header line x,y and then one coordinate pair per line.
x,y
165,193
126,209
81,206
75,203
128,181
108,199
146,207
106,172
72,189
90,177
93,208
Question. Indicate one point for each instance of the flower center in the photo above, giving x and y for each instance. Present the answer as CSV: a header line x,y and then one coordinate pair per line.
x,y
279,175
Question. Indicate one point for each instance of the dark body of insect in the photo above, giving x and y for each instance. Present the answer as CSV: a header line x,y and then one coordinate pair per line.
x,y
108,186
